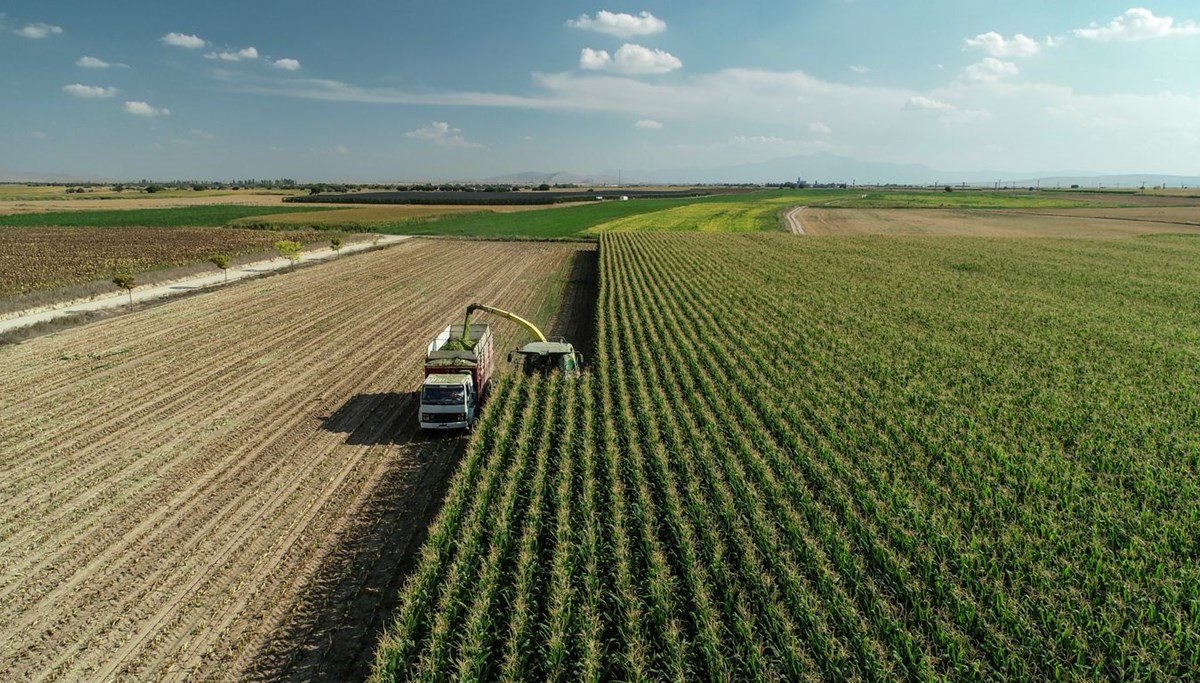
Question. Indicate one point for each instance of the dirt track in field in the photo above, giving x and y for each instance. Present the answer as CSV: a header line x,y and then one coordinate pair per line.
x,y
1002,223
231,486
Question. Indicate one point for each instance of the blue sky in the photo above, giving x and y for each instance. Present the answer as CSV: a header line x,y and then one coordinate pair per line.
x,y
371,90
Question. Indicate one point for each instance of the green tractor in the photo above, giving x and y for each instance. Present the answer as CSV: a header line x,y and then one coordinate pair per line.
x,y
543,356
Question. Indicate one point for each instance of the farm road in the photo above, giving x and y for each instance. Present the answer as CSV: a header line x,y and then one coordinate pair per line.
x,y
792,219
119,299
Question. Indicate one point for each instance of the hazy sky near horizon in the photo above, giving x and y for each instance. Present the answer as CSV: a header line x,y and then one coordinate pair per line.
x,y
371,90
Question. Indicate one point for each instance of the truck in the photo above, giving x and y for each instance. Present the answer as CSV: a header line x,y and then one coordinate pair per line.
x,y
459,363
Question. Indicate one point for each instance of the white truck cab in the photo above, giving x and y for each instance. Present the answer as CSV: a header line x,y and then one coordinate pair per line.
x,y
448,401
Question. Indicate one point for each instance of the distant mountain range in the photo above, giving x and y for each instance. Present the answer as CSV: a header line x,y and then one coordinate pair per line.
x,y
814,168
8,175
555,178
829,168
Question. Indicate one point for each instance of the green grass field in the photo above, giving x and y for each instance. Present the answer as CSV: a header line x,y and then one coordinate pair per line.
x,y
186,216
549,223
862,458
758,211
963,200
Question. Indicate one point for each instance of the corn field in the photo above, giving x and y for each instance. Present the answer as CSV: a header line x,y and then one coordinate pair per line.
x,y
837,459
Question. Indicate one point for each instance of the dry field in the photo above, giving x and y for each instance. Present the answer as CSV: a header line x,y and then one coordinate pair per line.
x,y
367,215
34,259
137,201
1006,223
230,486
1147,198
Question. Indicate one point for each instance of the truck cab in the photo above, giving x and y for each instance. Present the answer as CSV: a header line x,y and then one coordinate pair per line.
x,y
448,401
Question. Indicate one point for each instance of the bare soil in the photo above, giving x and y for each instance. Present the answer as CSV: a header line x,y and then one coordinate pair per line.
x,y
232,486
1007,223
375,214
85,203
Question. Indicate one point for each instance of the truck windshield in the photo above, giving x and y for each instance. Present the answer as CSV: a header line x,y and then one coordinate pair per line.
x,y
443,396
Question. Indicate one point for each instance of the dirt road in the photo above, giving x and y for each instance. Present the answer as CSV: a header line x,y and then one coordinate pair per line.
x,y
792,219
230,486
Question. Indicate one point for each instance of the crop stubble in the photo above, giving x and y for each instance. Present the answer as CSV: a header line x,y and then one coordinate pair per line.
x,y
178,483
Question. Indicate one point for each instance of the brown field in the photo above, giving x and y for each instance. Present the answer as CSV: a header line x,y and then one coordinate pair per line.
x,y
996,223
376,214
128,200
34,259
230,486
1188,198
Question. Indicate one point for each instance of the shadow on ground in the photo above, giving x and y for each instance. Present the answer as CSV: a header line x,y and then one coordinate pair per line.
x,y
373,419
576,321
331,635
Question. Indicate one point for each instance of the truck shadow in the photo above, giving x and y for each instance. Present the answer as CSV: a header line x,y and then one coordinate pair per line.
x,y
374,419
330,635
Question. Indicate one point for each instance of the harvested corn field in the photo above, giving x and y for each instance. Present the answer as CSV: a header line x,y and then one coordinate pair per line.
x,y
229,486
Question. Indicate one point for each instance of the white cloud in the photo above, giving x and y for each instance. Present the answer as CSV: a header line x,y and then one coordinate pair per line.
x,y
989,70
594,59
1138,23
144,109
819,128
97,63
183,40
38,135
620,25
341,149
244,53
874,121
949,113
648,124
860,69
630,59
997,45
920,102
441,133
202,134
90,91
38,30
759,140
286,64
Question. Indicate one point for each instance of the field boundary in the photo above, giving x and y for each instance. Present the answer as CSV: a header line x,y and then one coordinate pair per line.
x,y
12,322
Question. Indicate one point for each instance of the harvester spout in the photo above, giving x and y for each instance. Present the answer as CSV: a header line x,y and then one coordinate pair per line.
x,y
503,314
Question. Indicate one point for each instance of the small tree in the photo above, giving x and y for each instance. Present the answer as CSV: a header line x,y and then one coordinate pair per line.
x,y
336,245
125,280
221,261
289,249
